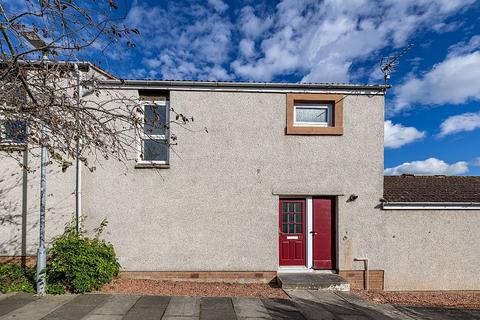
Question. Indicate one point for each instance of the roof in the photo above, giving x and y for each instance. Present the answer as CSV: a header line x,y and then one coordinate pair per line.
x,y
410,188
243,86
81,64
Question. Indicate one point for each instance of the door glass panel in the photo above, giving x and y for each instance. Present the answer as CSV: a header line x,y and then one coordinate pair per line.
x,y
298,207
285,217
298,228
291,228
284,207
298,218
285,228
290,218
291,207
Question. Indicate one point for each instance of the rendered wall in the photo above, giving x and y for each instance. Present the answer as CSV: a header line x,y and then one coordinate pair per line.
x,y
216,207
432,249
19,233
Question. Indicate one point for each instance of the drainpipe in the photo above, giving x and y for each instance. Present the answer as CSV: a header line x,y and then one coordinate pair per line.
x,y
24,205
78,166
365,261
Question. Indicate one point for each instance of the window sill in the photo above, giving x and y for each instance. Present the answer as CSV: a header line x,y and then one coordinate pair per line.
x,y
12,147
151,165
317,130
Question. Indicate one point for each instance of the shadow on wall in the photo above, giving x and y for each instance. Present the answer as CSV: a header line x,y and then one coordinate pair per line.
x,y
19,223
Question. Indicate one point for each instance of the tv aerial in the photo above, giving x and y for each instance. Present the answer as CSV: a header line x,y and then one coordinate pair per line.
x,y
389,63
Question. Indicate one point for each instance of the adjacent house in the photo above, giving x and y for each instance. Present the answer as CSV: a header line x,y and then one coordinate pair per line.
x,y
270,177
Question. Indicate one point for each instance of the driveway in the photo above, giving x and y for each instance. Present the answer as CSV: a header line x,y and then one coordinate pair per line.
x,y
302,305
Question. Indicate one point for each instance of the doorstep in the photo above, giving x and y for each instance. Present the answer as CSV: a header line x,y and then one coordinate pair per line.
x,y
312,281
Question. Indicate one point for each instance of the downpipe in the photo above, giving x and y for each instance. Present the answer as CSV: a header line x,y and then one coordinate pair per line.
x,y
78,165
365,261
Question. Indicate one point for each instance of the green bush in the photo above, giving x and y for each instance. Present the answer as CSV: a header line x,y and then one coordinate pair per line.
x,y
16,278
82,264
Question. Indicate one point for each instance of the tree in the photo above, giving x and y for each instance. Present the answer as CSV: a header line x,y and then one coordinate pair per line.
x,y
40,40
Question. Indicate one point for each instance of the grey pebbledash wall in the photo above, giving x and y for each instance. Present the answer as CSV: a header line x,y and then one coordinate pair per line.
x,y
216,207
431,249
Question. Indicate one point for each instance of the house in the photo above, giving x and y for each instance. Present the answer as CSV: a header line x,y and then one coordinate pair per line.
x,y
270,177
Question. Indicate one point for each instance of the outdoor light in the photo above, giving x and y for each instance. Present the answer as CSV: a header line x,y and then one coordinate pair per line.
x,y
352,197
33,38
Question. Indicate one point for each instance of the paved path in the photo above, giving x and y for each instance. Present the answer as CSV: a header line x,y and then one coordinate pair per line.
x,y
303,305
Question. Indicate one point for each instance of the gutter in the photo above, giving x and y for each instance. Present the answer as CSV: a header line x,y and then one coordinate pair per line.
x,y
431,205
242,86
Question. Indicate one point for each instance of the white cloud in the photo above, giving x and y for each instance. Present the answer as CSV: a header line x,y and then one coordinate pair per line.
x,y
465,47
251,25
397,135
316,40
247,47
476,162
431,166
462,122
454,80
322,39
183,42
219,5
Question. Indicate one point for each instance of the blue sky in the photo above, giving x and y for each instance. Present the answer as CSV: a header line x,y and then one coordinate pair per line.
x,y
432,112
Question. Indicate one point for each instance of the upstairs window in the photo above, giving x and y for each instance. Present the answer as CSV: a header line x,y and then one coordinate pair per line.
x,y
154,134
314,114
12,132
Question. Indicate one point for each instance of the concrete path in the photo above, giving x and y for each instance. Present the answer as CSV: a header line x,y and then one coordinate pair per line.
x,y
303,305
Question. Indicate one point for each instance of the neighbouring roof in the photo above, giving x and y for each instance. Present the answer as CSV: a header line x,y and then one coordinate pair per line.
x,y
410,188
81,64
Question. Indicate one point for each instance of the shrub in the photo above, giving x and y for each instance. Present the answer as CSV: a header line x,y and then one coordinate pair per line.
x,y
16,278
80,263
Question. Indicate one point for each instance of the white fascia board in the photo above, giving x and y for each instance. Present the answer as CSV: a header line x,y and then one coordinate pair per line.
x,y
243,87
431,205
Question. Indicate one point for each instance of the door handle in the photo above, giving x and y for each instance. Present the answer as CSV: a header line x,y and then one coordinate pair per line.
x,y
313,232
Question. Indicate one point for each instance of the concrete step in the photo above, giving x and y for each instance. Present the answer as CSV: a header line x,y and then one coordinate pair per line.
x,y
312,281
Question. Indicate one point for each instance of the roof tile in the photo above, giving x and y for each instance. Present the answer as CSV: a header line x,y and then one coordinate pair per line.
x,y
410,188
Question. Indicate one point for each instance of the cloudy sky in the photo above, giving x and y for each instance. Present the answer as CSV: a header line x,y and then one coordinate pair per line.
x,y
432,123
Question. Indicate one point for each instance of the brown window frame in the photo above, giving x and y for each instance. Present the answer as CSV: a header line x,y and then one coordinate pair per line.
x,y
336,100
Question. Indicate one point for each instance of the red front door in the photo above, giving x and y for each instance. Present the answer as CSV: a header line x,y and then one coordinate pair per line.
x,y
323,232
292,232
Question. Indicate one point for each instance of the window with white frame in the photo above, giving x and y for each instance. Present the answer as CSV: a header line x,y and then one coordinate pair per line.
x,y
155,134
312,114
12,132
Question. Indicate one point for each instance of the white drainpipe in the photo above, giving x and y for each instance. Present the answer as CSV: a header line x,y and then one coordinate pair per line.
x,y
78,172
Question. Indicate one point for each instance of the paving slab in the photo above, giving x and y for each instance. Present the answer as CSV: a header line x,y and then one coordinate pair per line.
x,y
148,308
333,303
250,308
103,317
78,307
6,295
432,313
114,305
309,305
282,309
312,281
213,308
374,310
183,307
39,308
15,301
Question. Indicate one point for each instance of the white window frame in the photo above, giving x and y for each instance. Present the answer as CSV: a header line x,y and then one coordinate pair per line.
x,y
157,137
325,106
